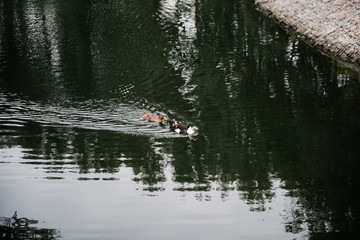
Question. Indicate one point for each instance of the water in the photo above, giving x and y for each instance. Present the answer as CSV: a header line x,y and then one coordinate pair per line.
x,y
276,157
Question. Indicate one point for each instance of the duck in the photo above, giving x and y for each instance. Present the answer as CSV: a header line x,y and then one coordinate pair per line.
x,y
146,115
182,128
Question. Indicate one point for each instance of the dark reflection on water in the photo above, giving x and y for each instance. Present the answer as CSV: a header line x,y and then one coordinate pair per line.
x,y
74,77
22,228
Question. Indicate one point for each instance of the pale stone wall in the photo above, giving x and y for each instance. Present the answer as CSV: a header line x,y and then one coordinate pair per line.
x,y
333,26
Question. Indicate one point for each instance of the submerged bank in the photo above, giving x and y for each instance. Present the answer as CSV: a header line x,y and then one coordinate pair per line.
x,y
333,26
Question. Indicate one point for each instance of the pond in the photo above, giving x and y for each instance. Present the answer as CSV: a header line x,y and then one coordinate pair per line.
x,y
278,148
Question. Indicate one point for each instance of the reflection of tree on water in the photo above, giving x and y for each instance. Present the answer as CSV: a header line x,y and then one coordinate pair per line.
x,y
22,229
180,14
63,151
149,168
318,214
261,117
298,126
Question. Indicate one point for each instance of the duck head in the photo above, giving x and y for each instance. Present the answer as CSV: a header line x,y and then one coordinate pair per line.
x,y
162,117
192,129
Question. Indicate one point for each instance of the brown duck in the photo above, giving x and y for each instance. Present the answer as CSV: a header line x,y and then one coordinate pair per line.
x,y
146,115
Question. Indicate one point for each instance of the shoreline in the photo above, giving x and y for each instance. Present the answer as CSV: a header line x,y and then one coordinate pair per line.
x,y
331,26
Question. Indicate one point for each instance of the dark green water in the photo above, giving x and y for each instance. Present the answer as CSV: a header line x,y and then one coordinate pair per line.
x,y
277,155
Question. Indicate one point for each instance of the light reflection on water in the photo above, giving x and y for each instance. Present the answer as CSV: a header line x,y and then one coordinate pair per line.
x,y
181,16
130,192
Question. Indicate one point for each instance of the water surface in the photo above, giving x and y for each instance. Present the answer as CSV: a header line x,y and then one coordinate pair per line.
x,y
276,157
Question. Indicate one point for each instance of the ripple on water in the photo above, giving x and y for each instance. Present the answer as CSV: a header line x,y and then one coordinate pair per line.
x,y
101,115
